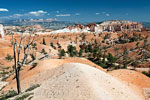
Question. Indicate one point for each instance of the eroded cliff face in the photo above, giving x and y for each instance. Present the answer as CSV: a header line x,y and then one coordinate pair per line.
x,y
115,26
108,26
1,31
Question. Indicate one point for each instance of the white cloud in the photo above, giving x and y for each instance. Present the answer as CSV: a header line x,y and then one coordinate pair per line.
x,y
97,13
18,15
37,13
63,15
57,11
107,14
77,14
3,9
29,14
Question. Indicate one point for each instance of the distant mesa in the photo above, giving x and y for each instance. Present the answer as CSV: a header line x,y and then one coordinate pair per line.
x,y
48,26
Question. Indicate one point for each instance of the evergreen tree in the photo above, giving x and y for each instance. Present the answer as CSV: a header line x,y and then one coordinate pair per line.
x,y
111,59
90,48
44,43
80,53
72,51
51,44
86,49
125,57
61,53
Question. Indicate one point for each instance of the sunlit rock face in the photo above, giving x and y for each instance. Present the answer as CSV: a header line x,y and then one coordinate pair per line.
x,y
115,26
107,26
1,31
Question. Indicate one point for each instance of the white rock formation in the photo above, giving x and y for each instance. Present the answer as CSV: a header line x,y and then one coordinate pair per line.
x,y
1,30
107,26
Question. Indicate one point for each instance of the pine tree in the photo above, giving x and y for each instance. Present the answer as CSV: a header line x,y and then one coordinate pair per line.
x,y
80,53
90,48
44,43
72,51
61,53
125,58
111,59
86,49
51,44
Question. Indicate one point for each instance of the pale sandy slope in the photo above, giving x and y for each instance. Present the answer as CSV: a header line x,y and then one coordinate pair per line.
x,y
138,81
74,81
42,72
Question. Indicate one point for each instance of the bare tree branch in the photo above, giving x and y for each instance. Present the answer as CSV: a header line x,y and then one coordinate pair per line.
x,y
17,50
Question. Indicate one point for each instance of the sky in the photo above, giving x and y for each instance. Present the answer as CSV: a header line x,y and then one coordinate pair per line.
x,y
76,10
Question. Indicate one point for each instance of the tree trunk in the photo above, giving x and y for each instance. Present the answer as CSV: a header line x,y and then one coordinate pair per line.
x,y
18,81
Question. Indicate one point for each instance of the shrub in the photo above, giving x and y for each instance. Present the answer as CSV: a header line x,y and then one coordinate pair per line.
x,y
32,87
33,65
8,57
43,51
23,97
83,36
146,73
106,36
30,98
103,65
10,94
32,56
34,45
4,78
3,73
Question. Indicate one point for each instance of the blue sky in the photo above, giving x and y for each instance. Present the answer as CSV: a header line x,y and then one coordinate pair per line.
x,y
77,10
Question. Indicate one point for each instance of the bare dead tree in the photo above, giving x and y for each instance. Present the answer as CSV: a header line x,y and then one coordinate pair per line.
x,y
18,63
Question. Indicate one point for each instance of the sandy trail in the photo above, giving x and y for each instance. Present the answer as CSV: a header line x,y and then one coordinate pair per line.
x,y
74,81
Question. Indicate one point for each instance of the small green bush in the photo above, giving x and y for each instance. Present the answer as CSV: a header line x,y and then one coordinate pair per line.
x,y
24,96
32,87
10,94
146,73
33,65
33,57
43,51
8,57
4,78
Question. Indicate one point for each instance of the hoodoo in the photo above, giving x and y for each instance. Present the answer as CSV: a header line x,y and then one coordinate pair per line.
x,y
1,31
